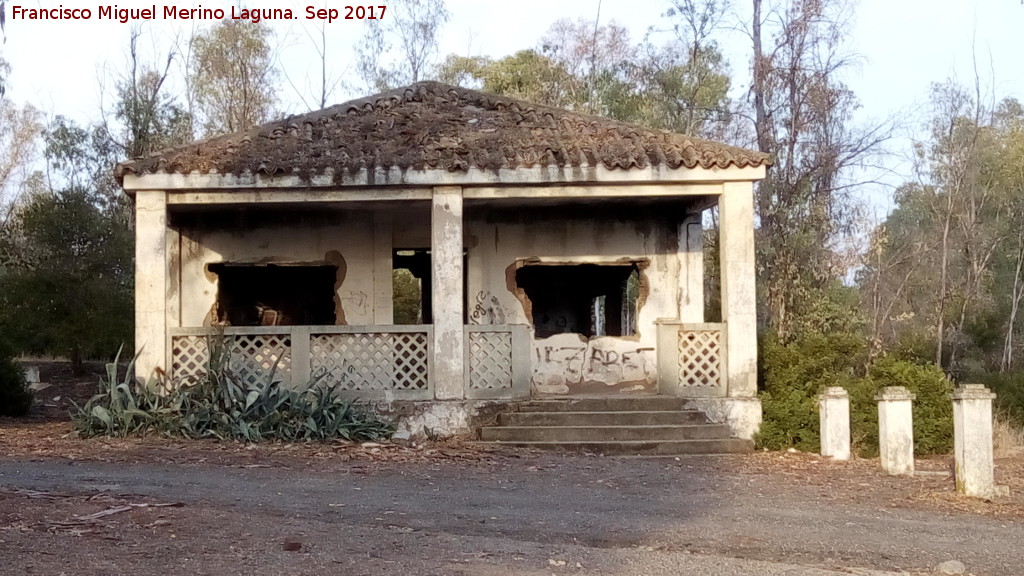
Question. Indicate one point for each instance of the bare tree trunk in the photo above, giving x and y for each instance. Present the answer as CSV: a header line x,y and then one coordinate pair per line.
x,y
760,114
1006,362
940,320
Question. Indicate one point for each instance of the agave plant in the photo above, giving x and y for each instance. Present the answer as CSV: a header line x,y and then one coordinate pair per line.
x,y
220,405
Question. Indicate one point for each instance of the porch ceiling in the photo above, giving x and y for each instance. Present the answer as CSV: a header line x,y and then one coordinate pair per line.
x,y
610,205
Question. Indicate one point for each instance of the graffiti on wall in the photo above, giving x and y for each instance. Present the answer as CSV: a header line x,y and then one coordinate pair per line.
x,y
355,302
487,309
563,360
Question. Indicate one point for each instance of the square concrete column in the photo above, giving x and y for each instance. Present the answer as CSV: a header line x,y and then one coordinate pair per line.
x,y
446,259
972,440
739,312
383,269
691,269
150,282
896,430
834,407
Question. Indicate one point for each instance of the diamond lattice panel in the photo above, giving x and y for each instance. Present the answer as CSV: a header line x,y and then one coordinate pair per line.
x,y
371,361
700,358
189,358
260,358
490,360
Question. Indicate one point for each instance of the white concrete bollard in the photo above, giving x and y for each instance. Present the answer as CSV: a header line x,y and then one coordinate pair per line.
x,y
834,409
32,374
972,440
896,430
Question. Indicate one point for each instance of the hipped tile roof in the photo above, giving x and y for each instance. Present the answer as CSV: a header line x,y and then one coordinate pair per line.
x,y
433,126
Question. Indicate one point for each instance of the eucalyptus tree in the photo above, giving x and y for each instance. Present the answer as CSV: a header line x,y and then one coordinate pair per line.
x,y
234,76
19,138
803,115
402,47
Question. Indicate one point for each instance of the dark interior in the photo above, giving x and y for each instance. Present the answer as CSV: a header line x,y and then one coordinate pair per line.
x,y
275,295
585,299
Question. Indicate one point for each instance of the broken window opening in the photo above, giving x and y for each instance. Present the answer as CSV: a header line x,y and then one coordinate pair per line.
x,y
272,295
587,299
408,297
411,287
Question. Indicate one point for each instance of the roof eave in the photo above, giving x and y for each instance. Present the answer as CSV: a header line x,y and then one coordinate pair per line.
x,y
396,177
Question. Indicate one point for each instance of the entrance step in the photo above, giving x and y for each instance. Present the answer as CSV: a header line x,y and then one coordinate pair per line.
x,y
604,404
642,448
605,433
632,425
603,418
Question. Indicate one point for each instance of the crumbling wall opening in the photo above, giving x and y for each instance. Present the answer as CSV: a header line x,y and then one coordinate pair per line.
x,y
588,299
274,295
411,286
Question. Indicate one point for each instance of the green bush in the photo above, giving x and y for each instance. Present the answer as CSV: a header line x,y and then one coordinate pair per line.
x,y
933,408
15,395
795,373
219,406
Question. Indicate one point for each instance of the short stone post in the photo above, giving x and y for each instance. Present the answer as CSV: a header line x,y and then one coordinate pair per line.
x,y
32,374
896,430
972,440
834,408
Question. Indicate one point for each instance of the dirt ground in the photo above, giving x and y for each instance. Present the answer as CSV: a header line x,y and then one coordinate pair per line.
x,y
156,505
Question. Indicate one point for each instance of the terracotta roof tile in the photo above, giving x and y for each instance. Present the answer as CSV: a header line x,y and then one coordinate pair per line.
x,y
433,126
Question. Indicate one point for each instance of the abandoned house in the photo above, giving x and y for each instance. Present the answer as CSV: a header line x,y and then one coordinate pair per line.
x,y
445,245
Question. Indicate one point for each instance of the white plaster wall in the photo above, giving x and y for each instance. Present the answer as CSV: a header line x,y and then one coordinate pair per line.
x,y
568,362
350,234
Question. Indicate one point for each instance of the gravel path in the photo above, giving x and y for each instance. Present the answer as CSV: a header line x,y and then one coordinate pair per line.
x,y
528,515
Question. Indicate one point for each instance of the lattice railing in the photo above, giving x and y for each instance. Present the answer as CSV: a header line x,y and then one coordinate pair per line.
x,y
190,356
692,359
490,360
497,361
252,358
700,358
365,361
371,361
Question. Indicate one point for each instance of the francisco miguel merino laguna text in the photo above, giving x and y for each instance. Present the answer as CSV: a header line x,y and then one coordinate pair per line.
x,y
125,15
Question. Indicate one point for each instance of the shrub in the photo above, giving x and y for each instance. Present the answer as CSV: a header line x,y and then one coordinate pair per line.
x,y
794,375
933,409
220,406
15,395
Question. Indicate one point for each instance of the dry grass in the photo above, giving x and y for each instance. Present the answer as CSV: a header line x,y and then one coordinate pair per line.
x,y
1007,436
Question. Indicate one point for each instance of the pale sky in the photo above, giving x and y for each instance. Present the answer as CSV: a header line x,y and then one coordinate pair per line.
x,y
905,46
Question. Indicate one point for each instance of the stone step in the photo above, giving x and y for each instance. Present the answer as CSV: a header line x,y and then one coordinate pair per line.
x,y
606,418
604,433
641,448
604,404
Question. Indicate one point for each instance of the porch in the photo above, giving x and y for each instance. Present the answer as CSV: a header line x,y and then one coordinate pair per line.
x,y
395,362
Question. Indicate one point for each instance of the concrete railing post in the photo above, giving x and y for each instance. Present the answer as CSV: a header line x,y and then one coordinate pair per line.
x,y
896,430
834,406
972,440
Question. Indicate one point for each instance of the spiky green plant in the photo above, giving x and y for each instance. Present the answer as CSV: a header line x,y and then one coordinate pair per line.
x,y
221,406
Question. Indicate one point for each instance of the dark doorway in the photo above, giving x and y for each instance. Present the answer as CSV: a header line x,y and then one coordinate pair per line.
x,y
587,299
275,295
412,287
411,284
